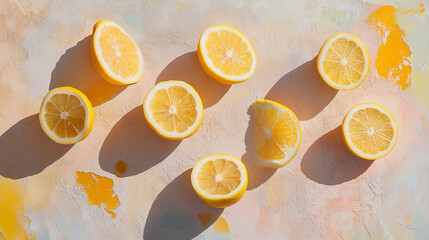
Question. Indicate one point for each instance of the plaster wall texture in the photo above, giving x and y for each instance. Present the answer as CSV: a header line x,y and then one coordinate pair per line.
x,y
49,191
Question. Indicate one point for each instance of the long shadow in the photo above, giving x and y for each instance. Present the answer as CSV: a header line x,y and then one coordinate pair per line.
x,y
256,173
187,68
132,147
328,161
303,91
75,69
25,150
178,213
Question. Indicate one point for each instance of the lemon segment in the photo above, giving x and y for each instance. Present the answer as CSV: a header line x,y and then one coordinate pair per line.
x,y
275,133
369,131
115,55
343,61
226,54
66,115
220,180
173,109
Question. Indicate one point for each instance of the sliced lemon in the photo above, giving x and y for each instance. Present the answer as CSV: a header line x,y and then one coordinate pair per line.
x,y
370,131
275,133
115,55
343,61
173,109
66,115
220,180
226,54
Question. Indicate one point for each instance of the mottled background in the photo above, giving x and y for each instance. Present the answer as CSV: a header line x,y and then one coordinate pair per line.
x,y
124,182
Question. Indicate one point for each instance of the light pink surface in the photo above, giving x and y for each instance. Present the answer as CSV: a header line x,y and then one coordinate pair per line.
x,y
324,193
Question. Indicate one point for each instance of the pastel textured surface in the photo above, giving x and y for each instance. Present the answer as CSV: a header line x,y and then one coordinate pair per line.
x,y
50,191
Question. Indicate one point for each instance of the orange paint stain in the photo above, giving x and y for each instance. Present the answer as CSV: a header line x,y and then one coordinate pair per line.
x,y
418,10
13,223
99,191
120,168
345,205
205,218
393,57
112,214
221,226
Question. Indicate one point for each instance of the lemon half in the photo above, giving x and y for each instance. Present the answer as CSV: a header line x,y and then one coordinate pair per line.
x,y
66,115
370,131
220,180
226,54
115,55
173,109
343,61
275,133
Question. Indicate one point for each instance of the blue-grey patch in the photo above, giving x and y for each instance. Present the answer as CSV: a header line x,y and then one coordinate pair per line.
x,y
43,237
176,219
421,225
133,18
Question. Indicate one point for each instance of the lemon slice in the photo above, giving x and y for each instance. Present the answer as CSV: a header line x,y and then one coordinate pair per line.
x,y
115,55
173,109
220,180
343,61
226,54
370,131
275,133
66,115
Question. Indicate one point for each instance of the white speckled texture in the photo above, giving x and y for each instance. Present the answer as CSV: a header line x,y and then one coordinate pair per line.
x,y
324,193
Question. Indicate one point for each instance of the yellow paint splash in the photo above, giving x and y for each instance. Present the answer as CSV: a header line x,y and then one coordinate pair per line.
x,y
205,218
272,197
99,191
13,222
38,189
179,5
393,57
221,226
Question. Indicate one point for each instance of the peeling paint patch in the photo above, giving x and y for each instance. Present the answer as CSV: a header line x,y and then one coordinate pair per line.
x,y
327,16
377,228
99,191
414,22
393,60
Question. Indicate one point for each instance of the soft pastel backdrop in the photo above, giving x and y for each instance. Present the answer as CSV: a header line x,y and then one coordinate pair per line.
x,y
124,182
